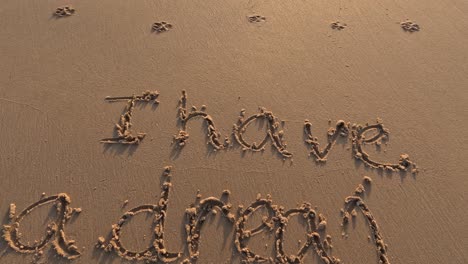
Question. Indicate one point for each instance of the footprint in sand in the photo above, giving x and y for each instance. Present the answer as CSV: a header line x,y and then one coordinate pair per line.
x,y
256,19
410,26
160,27
64,11
338,25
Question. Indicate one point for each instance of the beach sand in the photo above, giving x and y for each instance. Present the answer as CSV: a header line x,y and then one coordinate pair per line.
x,y
400,63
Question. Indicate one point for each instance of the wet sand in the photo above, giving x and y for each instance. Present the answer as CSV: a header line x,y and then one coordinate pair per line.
x,y
221,132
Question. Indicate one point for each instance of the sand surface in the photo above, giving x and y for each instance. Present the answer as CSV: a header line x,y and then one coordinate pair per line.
x,y
278,63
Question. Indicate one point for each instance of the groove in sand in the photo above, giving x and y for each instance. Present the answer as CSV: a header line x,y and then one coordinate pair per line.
x,y
157,251
124,134
358,138
278,217
196,215
214,137
273,134
55,233
355,201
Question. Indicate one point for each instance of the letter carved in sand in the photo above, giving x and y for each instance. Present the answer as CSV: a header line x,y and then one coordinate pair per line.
x,y
196,217
124,134
55,233
214,137
273,134
157,251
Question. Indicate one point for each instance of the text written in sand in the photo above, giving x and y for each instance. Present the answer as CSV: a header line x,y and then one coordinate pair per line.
x,y
196,215
359,135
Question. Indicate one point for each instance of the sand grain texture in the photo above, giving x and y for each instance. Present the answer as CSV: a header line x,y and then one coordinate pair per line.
x,y
280,63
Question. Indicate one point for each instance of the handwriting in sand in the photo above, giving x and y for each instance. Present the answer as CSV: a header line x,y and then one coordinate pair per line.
x,y
358,134
317,238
